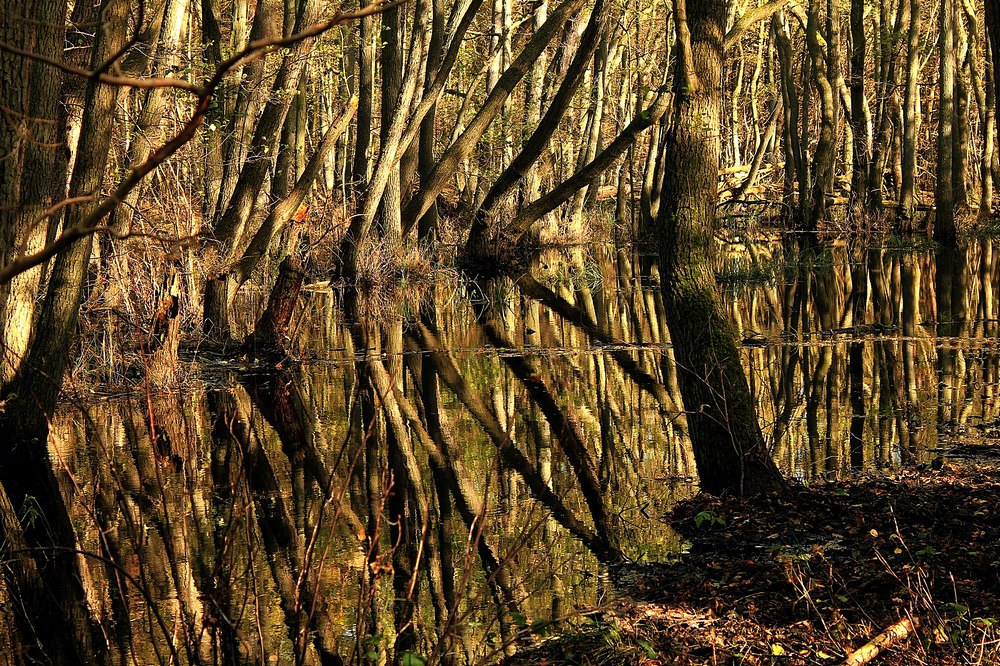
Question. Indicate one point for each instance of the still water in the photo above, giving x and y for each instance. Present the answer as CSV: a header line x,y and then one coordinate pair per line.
x,y
444,478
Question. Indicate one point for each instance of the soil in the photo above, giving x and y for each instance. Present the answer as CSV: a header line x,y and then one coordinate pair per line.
x,y
811,576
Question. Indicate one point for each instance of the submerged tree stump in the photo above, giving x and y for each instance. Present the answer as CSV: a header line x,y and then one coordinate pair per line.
x,y
269,338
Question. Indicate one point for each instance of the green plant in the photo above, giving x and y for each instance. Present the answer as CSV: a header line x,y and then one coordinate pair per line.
x,y
708,519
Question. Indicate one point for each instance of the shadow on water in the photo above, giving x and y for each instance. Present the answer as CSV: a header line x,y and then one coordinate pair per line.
x,y
450,479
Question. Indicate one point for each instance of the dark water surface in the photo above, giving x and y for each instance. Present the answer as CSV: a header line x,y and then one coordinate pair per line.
x,y
441,489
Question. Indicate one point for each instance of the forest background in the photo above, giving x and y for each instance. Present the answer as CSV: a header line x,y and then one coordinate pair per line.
x,y
165,155
176,171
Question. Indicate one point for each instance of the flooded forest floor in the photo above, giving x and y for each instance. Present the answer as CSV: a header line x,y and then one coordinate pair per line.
x,y
812,577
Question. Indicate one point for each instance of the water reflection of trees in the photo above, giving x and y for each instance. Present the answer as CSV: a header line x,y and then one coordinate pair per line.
x,y
412,492
874,352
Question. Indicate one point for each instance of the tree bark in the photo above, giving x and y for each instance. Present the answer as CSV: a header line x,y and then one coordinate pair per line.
x,y
33,163
520,166
860,116
728,444
270,335
944,194
993,34
826,148
463,147
911,119
62,624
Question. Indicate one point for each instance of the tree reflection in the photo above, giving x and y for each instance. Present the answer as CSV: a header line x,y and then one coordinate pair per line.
x,y
452,472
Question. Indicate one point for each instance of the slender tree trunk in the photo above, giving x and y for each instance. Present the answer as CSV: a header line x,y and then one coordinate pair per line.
x,y
911,120
964,43
363,135
213,148
795,169
592,139
533,100
860,116
520,167
236,137
147,133
989,123
944,194
428,225
993,37
229,234
392,88
464,145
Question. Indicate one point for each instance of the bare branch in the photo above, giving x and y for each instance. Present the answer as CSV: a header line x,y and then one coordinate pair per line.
x,y
103,77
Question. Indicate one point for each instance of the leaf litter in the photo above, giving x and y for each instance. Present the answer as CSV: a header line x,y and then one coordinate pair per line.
x,y
811,576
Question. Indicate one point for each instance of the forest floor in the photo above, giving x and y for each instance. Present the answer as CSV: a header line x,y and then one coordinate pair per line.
x,y
812,576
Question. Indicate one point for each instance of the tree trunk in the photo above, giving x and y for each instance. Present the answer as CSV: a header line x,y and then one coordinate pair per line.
x,y
993,37
826,146
428,225
363,137
989,122
728,444
944,194
860,117
147,133
390,212
33,160
269,338
229,230
911,119
236,138
520,166
795,169
964,43
63,628
464,145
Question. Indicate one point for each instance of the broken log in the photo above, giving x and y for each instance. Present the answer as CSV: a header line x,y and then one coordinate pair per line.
x,y
894,634
271,332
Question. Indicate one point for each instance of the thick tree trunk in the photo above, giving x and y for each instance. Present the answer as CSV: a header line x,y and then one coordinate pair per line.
x,y
728,444
33,160
62,625
826,146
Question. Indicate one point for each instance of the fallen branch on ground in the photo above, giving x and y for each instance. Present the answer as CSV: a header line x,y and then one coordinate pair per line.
x,y
894,634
